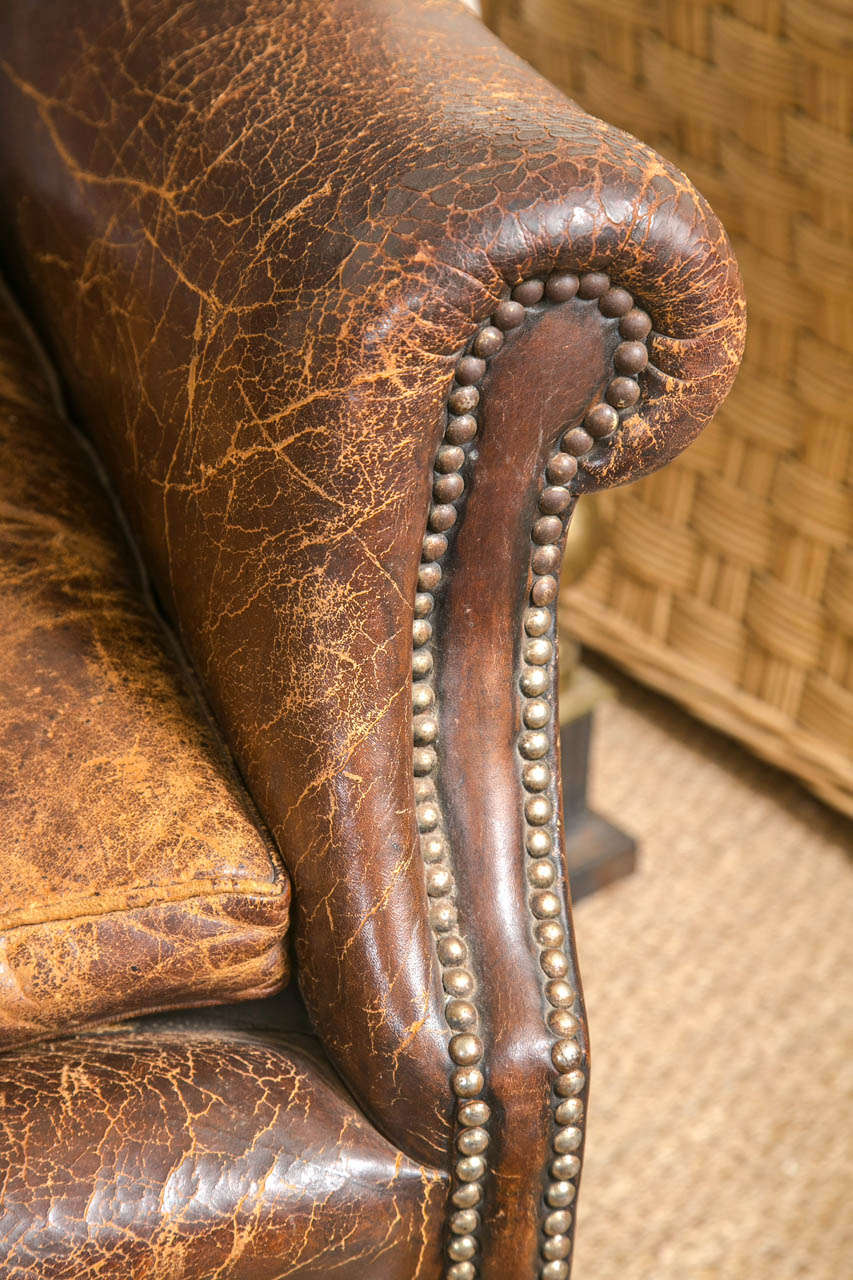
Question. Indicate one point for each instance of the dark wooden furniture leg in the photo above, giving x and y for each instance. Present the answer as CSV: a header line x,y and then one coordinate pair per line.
x,y
597,852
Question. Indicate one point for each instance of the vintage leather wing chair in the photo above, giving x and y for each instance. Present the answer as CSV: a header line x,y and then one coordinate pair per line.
x,y
349,307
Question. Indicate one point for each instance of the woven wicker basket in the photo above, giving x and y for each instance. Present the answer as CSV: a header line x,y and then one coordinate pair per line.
x,y
727,580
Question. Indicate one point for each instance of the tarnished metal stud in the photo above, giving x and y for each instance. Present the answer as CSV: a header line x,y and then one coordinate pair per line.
x,y
460,1015
425,729
542,905
577,441
474,1113
565,1167
593,284
570,1083
439,882
448,488
630,357
465,1049
554,499
461,1247
635,325
541,874
601,420
557,1223
434,546
488,341
567,1139
429,576
533,744
472,1142
561,286
561,468
547,529
550,1271
424,604
423,697
533,682
433,847
615,302
469,370
428,816
451,950
565,1054
467,1082
508,314
536,776
546,559
466,1196
459,431
536,713
563,1023
458,982
539,843
623,392
442,916
544,590
537,621
554,963
569,1111
424,760
550,933
559,994
461,1271
538,651
463,399
538,810
449,458
442,517
464,1221
560,1194
528,292
556,1247
471,1168
421,663
424,788
422,632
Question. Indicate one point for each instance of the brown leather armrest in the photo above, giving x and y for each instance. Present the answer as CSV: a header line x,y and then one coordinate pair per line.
x,y
258,239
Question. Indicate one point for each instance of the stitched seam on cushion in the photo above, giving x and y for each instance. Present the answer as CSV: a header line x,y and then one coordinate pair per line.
x,y
151,895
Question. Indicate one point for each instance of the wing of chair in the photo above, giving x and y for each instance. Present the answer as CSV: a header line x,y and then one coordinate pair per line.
x,y
353,307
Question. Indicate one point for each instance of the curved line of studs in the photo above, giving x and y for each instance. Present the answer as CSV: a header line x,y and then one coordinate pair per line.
x,y
535,746
460,1011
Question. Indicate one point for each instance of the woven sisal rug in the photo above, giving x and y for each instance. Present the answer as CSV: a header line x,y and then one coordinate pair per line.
x,y
719,983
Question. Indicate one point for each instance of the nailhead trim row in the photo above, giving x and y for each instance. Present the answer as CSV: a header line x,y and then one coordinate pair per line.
x,y
460,1010
536,750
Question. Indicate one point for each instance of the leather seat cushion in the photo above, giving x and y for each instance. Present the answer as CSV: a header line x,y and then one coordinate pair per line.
x,y
135,873
198,1146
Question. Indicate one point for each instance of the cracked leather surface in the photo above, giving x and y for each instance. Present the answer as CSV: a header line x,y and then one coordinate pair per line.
x,y
256,238
256,235
200,1151
134,874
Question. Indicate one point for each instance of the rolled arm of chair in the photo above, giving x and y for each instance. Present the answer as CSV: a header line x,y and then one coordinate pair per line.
x,y
355,305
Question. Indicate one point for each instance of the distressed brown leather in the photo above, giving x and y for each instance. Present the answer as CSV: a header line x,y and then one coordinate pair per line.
x,y
135,875
256,237
201,1150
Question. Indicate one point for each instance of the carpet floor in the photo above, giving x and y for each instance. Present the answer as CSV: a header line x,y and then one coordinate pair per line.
x,y
719,985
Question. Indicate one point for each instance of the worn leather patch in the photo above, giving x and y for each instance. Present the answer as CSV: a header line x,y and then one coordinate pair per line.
x,y
135,873
176,1154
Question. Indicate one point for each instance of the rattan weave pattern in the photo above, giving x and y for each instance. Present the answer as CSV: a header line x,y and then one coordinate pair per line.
x,y
727,580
